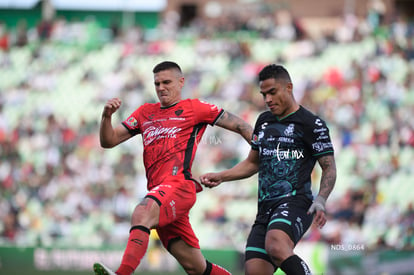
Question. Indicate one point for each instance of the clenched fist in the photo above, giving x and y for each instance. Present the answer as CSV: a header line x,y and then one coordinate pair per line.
x,y
111,106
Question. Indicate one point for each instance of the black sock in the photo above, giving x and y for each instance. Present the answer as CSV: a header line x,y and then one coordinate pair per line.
x,y
208,268
295,266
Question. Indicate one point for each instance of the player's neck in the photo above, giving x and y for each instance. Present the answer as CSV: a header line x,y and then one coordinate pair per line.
x,y
170,105
289,112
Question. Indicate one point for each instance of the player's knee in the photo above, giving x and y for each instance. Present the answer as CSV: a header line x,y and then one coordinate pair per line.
x,y
278,252
279,246
146,215
193,266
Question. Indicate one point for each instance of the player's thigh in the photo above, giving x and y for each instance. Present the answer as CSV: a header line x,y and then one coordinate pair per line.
x,y
257,266
175,199
146,213
180,229
291,218
257,260
279,245
190,258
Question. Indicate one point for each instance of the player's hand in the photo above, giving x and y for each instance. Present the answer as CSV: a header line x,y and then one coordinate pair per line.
x,y
111,106
211,179
318,206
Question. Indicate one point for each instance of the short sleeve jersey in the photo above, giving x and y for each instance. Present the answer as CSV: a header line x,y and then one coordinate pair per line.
x,y
288,150
170,136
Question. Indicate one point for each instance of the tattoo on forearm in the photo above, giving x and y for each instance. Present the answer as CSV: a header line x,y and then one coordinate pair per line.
x,y
238,124
328,178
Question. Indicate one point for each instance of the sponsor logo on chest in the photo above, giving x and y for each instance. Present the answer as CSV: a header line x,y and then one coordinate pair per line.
x,y
281,154
159,132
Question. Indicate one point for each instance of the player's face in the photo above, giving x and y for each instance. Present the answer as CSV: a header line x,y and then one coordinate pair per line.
x,y
168,85
277,95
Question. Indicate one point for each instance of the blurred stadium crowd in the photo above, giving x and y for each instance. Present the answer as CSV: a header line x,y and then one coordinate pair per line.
x,y
59,187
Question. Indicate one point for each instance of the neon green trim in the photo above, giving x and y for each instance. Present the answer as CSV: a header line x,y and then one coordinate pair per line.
x,y
256,249
280,220
288,115
323,153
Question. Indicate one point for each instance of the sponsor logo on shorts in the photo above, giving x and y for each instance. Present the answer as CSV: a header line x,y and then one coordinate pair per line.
x,y
174,212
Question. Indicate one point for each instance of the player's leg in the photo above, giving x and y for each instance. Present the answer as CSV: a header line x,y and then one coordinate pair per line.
x,y
257,261
144,217
285,229
190,258
180,240
193,261
280,247
257,266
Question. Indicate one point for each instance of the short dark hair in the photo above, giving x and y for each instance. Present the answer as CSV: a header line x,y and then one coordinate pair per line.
x,y
274,71
166,65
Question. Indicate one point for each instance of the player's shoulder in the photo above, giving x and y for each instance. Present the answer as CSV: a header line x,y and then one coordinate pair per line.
x,y
265,116
147,105
201,104
190,101
307,114
198,101
310,120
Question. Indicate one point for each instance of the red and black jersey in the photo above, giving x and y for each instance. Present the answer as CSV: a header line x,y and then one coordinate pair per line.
x,y
170,136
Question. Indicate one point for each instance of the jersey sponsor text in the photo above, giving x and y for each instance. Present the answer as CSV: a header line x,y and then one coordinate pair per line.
x,y
152,133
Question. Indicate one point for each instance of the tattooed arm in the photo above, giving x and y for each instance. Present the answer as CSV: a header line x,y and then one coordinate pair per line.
x,y
236,124
327,184
328,178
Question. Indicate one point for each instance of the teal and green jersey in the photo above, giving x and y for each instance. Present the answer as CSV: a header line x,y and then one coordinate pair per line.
x,y
288,150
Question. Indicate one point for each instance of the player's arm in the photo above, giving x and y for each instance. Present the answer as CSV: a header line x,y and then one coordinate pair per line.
x,y
109,136
244,169
328,177
327,184
236,124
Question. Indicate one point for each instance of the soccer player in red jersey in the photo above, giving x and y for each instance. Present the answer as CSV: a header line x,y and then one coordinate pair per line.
x,y
171,131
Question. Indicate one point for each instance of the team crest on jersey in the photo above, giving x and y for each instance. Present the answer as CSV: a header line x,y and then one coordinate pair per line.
x,y
132,122
289,130
178,112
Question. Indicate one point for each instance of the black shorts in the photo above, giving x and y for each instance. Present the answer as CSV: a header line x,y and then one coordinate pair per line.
x,y
289,215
